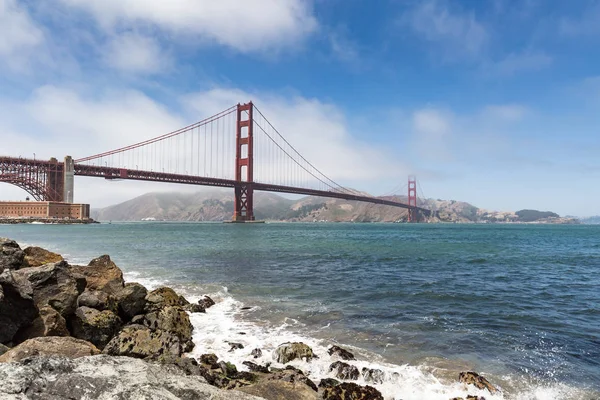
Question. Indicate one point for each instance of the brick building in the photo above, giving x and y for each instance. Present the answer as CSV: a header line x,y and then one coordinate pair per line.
x,y
44,209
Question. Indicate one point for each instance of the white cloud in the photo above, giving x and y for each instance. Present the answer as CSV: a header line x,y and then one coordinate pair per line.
x,y
19,35
132,53
259,25
519,62
457,33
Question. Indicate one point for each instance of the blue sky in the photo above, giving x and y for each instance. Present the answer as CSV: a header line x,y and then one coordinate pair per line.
x,y
492,102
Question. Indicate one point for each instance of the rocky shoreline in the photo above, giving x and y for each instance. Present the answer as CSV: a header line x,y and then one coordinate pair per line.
x,y
82,332
58,221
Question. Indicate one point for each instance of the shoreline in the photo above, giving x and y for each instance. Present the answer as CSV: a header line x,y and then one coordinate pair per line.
x,y
49,221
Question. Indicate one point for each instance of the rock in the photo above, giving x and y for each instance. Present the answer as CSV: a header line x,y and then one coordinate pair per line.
x,y
50,346
373,375
287,352
229,369
469,397
351,391
235,346
11,255
328,383
97,299
36,257
52,284
102,274
473,378
256,353
3,349
48,323
17,308
280,390
194,308
131,300
209,359
341,353
95,326
140,342
103,377
344,371
206,302
172,320
253,367
163,297
293,375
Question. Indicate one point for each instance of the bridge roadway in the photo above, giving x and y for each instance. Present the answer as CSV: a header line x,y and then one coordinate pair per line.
x,y
139,175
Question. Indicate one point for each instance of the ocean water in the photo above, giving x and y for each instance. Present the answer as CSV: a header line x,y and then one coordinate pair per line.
x,y
519,304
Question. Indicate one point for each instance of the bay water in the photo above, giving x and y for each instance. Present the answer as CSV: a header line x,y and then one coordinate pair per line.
x,y
519,304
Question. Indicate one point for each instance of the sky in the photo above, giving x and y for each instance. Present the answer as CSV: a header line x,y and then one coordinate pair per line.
x,y
496,102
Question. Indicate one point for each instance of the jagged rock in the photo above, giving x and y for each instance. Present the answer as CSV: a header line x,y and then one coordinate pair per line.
x,y
235,346
287,352
341,353
229,369
293,375
194,308
103,377
473,378
206,302
172,320
48,323
17,308
256,353
373,375
36,257
102,274
141,342
3,349
280,390
97,299
328,383
253,367
163,297
351,391
131,300
344,371
52,284
209,359
94,326
50,346
11,255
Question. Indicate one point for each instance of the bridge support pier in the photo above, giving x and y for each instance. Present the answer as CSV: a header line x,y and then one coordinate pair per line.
x,y
69,180
244,164
412,199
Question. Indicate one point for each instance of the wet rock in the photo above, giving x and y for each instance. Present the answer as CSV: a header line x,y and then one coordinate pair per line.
x,y
344,371
469,397
36,257
206,302
256,353
52,284
174,321
228,369
48,323
103,377
94,326
194,308
98,300
50,346
3,349
372,375
17,308
235,346
163,297
253,367
280,390
209,359
351,391
140,342
473,378
11,255
287,352
293,375
328,383
102,274
341,353
131,300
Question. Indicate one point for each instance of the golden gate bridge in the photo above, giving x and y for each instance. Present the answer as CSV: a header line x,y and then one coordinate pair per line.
x,y
237,148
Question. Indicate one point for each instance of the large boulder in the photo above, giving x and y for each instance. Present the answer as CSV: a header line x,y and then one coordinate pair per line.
x,y
95,326
103,377
287,352
372,375
17,308
172,320
50,346
3,349
11,255
131,300
163,297
341,353
473,378
36,257
344,371
102,274
351,391
98,300
141,342
48,323
52,284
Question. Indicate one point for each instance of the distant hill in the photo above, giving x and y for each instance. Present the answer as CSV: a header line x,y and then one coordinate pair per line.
x,y
217,205
534,215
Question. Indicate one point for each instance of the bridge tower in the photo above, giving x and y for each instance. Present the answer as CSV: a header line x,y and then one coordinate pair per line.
x,y
244,160
412,198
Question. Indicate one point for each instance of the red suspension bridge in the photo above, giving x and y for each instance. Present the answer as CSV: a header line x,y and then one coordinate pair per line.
x,y
237,148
